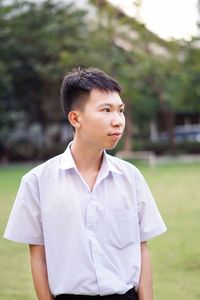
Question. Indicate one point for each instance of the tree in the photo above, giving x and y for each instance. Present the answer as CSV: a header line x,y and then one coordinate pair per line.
x,y
39,43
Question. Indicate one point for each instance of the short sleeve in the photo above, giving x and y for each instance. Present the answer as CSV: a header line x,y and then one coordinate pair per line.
x,y
150,221
24,224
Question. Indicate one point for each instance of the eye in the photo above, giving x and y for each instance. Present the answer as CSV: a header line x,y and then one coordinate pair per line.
x,y
106,109
121,110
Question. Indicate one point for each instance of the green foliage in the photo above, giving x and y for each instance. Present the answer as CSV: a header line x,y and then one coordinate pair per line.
x,y
190,92
42,41
33,39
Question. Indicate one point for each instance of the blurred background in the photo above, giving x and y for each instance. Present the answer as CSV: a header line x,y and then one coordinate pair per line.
x,y
152,48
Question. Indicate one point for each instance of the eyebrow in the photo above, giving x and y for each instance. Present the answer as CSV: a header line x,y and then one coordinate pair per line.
x,y
111,105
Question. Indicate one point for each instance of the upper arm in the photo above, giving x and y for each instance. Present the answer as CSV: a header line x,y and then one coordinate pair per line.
x,y
37,253
25,221
150,220
144,246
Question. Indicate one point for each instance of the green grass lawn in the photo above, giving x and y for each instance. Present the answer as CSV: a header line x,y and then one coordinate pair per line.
x,y
175,255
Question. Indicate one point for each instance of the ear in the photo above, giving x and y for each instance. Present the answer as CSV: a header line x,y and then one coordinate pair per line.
x,y
74,119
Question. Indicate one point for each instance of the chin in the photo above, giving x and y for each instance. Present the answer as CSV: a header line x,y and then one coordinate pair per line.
x,y
110,147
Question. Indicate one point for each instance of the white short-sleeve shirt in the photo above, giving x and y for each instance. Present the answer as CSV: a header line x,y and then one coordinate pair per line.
x,y
92,238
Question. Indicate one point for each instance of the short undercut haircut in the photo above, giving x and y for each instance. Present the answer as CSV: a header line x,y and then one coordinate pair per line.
x,y
78,84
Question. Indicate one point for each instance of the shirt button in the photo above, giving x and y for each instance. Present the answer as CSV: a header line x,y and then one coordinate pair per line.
x,y
92,226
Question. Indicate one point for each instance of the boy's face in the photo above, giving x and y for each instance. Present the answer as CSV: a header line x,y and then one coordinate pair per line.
x,y
101,121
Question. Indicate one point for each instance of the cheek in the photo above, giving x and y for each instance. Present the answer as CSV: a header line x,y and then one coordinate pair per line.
x,y
124,120
94,125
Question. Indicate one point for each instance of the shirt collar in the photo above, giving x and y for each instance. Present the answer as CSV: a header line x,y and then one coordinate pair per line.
x,y
109,165
67,162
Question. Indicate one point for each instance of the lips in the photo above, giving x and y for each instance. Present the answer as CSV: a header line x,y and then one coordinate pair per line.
x,y
116,133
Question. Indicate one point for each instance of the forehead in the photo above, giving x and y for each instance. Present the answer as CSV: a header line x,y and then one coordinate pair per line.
x,y
98,97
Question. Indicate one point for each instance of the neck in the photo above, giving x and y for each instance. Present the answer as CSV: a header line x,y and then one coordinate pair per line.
x,y
86,158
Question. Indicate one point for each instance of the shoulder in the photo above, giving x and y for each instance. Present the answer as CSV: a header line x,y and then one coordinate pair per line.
x,y
123,166
46,169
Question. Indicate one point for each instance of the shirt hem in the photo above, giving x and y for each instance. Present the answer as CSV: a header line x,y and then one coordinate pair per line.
x,y
23,240
153,234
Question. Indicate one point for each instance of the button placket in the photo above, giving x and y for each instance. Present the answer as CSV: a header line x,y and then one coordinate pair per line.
x,y
98,257
91,222
102,277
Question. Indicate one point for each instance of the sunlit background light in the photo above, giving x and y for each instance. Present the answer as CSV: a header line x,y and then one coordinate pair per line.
x,y
167,18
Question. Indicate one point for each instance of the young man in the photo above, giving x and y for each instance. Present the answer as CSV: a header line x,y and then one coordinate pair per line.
x,y
86,215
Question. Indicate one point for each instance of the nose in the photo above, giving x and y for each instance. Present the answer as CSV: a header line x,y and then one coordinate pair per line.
x,y
118,120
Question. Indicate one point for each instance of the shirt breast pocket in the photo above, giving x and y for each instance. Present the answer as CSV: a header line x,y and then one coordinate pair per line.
x,y
122,227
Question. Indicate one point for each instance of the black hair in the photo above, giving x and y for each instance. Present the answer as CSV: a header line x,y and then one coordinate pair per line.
x,y
78,84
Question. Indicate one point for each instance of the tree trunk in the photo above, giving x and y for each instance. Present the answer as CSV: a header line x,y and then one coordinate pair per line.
x,y
153,131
